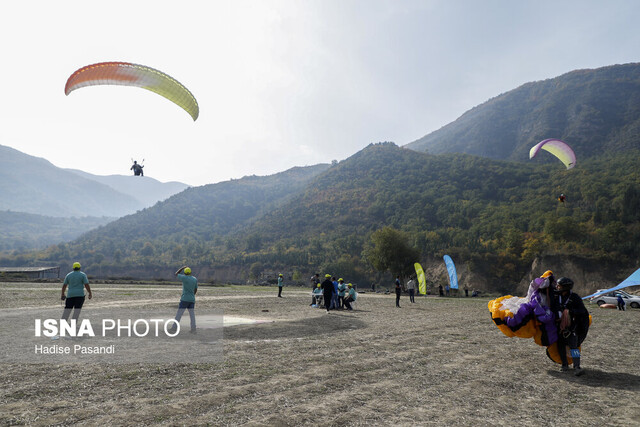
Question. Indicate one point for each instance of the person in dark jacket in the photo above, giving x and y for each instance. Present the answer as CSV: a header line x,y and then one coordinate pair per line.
x,y
573,320
327,291
621,303
398,291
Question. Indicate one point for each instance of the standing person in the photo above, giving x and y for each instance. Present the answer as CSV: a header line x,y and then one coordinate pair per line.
x,y
398,291
188,298
466,291
280,284
341,291
446,289
334,300
327,291
411,287
77,282
351,297
621,303
440,291
573,323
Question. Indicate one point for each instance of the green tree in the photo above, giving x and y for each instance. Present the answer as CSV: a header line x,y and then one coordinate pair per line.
x,y
388,250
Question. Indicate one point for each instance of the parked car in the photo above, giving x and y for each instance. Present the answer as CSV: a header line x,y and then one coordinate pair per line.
x,y
612,298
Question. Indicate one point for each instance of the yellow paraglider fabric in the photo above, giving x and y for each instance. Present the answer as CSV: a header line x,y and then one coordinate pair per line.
x,y
127,74
530,328
422,281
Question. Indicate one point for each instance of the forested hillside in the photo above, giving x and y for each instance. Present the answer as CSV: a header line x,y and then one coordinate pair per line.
x,y
594,111
496,216
21,231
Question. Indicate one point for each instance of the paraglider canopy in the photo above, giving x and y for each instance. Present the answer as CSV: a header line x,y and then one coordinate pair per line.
x,y
558,148
128,74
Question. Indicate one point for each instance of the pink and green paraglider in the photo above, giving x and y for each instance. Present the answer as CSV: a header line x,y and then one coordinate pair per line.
x,y
558,148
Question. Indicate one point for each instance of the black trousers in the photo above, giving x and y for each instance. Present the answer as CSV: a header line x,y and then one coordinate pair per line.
x,y
398,291
327,300
279,291
75,304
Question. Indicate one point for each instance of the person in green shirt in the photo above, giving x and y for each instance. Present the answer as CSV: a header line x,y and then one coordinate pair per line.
x,y
280,285
352,295
188,298
341,291
74,283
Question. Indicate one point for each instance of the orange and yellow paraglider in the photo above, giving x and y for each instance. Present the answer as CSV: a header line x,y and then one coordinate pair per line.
x,y
127,74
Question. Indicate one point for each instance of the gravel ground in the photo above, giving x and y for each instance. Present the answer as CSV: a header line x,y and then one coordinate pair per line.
x,y
440,361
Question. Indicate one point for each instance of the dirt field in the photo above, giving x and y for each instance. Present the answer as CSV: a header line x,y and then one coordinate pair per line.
x,y
439,361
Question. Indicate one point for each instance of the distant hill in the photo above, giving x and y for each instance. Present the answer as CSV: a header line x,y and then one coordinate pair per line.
x,y
495,217
33,185
498,218
145,189
594,111
21,231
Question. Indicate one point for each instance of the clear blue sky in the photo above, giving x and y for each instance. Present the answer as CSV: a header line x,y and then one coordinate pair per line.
x,y
280,83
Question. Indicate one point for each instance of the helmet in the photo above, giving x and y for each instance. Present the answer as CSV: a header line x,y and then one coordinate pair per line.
x,y
76,266
340,280
187,270
547,274
280,275
319,285
565,283
349,285
327,276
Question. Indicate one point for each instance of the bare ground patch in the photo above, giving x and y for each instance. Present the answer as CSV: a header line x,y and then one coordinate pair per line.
x,y
437,362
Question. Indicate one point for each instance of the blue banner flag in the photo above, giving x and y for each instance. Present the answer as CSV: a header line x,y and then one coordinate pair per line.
x,y
451,268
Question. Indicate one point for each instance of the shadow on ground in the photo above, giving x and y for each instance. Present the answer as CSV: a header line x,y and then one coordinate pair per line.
x,y
598,378
327,324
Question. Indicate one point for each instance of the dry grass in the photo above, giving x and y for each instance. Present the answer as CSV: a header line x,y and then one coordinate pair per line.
x,y
437,362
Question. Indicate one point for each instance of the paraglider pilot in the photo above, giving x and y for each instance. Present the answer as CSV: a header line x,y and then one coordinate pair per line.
x,y
574,323
137,169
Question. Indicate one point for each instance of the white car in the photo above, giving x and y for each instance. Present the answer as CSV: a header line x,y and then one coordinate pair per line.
x,y
612,298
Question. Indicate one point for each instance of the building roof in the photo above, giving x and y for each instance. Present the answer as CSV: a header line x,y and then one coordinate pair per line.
x,y
26,269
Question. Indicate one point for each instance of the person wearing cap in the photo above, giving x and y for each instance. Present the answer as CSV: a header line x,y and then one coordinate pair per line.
x,y
188,298
351,296
341,291
280,284
316,296
327,291
76,282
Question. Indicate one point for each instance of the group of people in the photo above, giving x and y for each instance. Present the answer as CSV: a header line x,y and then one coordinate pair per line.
x,y
570,315
332,293
76,282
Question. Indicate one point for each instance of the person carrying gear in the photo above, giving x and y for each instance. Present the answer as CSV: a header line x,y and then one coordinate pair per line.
x,y
573,320
137,169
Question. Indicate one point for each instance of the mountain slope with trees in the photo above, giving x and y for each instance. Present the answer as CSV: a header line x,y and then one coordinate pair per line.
x,y
495,216
595,111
